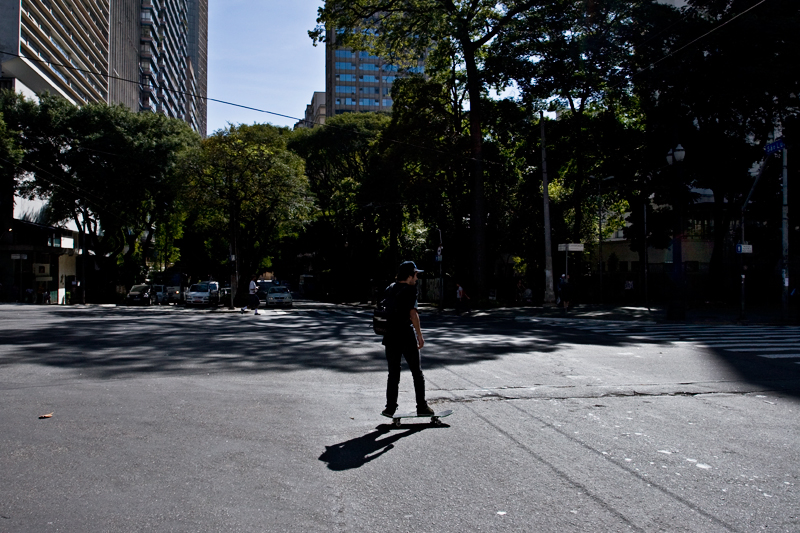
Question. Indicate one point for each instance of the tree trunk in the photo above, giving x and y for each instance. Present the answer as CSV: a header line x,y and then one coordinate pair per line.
x,y
716,268
478,215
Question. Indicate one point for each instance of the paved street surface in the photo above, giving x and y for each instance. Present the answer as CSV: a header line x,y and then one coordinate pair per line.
x,y
166,419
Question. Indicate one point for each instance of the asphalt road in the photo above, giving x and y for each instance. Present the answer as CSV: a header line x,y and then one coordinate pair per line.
x,y
165,419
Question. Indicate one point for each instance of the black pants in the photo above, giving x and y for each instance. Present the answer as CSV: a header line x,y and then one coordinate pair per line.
x,y
398,346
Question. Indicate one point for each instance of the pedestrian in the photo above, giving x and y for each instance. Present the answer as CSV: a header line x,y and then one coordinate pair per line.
x,y
404,338
566,291
253,300
461,299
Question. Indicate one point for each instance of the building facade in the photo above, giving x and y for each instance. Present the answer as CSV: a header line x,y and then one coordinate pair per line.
x,y
148,55
358,81
56,46
315,112
197,50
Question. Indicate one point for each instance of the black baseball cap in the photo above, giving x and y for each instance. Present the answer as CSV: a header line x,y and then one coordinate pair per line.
x,y
407,268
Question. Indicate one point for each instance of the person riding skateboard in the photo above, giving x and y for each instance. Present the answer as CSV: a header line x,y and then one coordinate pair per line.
x,y
404,338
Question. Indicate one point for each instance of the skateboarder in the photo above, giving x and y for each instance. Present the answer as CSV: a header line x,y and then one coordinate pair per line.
x,y
404,338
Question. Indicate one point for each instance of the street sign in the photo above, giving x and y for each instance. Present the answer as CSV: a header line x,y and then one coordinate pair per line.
x,y
19,256
774,146
570,247
744,248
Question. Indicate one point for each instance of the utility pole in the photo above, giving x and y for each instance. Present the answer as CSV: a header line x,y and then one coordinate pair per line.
x,y
743,242
646,259
549,293
785,231
600,237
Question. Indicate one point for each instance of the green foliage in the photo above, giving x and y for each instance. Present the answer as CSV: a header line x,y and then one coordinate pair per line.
x,y
110,170
250,188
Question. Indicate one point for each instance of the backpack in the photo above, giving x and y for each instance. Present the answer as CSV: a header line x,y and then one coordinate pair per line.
x,y
385,312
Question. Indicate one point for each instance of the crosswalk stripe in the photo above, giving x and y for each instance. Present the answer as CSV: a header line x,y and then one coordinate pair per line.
x,y
771,342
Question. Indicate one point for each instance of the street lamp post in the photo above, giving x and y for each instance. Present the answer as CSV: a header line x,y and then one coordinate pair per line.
x,y
677,306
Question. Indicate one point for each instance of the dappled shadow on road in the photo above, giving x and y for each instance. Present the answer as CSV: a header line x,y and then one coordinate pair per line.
x,y
113,342
119,342
357,452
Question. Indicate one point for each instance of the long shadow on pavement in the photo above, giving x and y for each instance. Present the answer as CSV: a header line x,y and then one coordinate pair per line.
x,y
355,453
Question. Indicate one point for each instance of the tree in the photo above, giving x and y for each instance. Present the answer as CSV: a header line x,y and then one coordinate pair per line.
x,y
247,181
10,158
719,81
110,170
404,30
360,199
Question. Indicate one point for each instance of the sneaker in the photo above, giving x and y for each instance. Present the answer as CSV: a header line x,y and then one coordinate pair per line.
x,y
256,313
244,309
389,411
424,410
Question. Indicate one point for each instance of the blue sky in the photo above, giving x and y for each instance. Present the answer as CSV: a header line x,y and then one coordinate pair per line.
x,y
260,55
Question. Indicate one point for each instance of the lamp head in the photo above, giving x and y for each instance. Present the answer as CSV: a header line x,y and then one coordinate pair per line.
x,y
679,153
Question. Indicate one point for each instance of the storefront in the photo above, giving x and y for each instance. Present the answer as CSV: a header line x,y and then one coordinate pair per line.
x,y
38,264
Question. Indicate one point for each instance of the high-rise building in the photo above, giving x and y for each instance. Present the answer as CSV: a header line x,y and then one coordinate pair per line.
x,y
56,46
148,55
197,49
124,54
358,81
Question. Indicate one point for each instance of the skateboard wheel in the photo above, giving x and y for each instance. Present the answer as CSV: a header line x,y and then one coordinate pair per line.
x,y
397,422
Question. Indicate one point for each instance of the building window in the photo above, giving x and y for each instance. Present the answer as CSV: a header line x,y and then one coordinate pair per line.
x,y
367,102
417,70
389,68
369,78
344,53
345,77
369,66
366,55
387,91
347,89
344,65
345,101
368,90
387,102
389,79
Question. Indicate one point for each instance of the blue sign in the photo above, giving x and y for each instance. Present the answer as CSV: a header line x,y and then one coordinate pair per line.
x,y
774,146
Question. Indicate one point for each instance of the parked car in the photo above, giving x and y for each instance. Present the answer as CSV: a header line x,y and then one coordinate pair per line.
x,y
140,295
204,293
279,296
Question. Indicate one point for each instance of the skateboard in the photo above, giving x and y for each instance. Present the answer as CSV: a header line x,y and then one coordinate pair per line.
x,y
434,417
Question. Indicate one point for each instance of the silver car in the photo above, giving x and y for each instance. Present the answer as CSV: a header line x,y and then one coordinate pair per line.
x,y
205,293
279,296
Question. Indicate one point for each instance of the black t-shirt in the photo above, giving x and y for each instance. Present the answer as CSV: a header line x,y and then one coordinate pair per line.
x,y
405,299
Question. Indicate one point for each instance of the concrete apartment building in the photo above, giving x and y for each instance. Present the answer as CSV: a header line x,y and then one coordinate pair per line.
x,y
148,55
